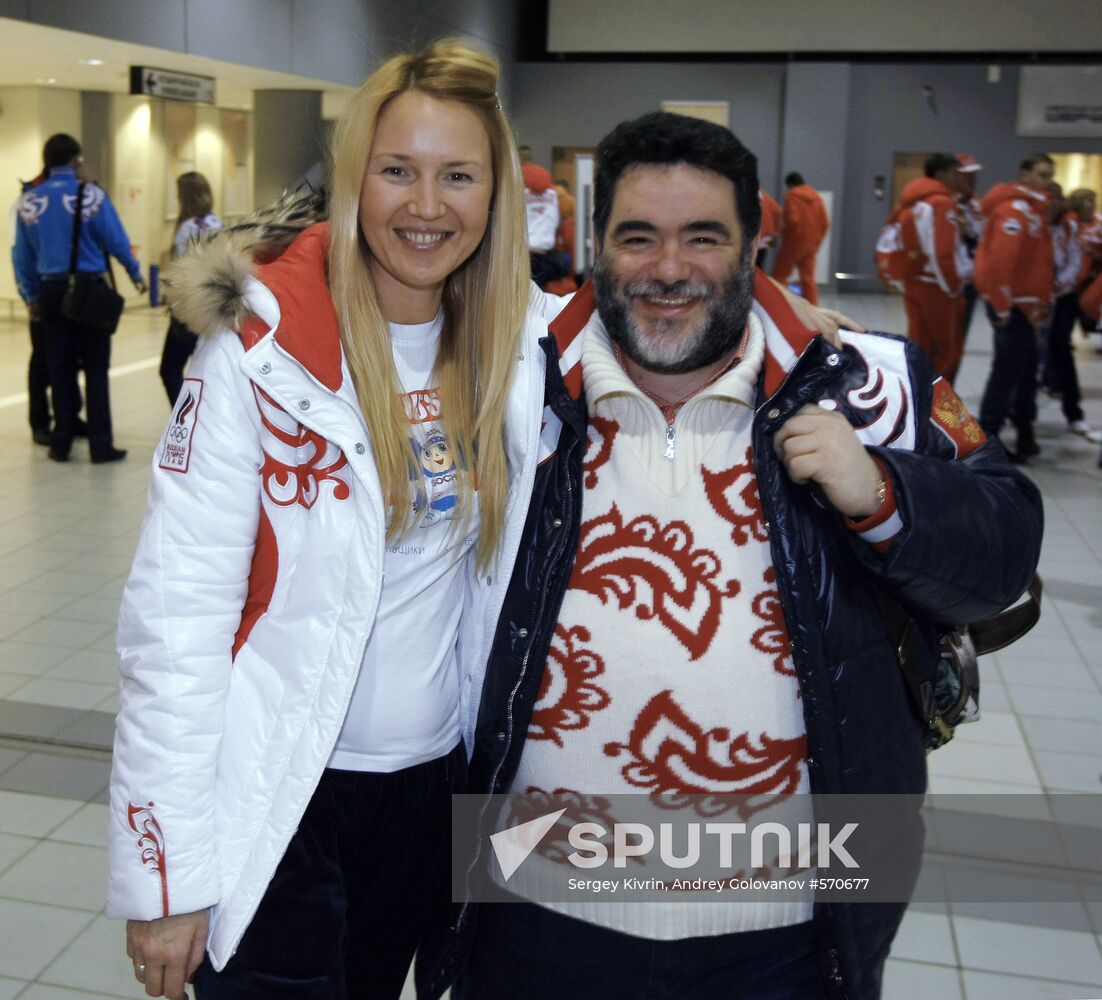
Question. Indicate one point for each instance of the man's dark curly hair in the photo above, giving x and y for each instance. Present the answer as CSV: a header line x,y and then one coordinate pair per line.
x,y
664,139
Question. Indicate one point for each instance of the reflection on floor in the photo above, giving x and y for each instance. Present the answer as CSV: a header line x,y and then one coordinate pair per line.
x,y
66,537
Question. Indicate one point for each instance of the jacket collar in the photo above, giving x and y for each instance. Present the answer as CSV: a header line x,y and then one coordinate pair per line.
x,y
786,338
306,326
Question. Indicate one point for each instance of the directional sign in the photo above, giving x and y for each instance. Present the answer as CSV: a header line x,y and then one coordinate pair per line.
x,y
171,85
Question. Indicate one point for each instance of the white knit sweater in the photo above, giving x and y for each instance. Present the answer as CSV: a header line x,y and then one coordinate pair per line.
x,y
670,668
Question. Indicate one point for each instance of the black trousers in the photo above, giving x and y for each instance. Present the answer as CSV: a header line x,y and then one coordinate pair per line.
x,y
38,381
1060,372
179,346
70,347
525,950
1012,384
970,296
360,882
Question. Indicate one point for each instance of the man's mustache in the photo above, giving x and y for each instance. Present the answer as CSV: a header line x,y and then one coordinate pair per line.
x,y
679,289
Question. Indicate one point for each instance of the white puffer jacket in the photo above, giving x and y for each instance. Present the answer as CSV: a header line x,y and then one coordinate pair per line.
x,y
252,596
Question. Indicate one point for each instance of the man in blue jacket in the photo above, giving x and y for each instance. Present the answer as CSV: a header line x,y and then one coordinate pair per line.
x,y
724,497
43,247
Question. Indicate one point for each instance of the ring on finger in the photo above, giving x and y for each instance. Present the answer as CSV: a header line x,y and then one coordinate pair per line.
x,y
139,970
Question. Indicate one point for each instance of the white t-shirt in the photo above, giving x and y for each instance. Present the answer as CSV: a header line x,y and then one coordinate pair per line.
x,y
405,708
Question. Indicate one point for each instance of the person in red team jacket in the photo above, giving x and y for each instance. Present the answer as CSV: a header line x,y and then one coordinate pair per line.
x,y
771,216
804,227
932,298
1014,268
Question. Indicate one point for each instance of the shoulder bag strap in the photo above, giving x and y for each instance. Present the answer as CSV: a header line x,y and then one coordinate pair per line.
x,y
1010,625
79,215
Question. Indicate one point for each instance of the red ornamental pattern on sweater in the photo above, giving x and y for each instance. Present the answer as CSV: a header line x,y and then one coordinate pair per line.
x,y
602,435
656,569
316,461
734,495
672,756
568,690
772,637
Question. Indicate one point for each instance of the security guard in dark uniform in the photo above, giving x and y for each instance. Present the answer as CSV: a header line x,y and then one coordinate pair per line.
x,y
43,245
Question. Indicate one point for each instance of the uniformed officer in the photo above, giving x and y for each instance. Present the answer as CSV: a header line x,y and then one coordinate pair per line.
x,y
43,246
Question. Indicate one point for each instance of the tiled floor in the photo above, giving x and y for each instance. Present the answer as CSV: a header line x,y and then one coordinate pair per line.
x,y
66,536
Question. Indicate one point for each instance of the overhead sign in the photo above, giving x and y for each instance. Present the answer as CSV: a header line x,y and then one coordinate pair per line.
x,y
171,85
1060,101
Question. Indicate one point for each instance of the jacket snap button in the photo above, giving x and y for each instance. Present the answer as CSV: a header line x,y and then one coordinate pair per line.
x,y
489,581
773,413
304,404
500,736
520,356
832,360
265,368
360,449
557,523
523,633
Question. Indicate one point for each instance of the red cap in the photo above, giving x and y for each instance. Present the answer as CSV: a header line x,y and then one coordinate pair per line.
x,y
967,165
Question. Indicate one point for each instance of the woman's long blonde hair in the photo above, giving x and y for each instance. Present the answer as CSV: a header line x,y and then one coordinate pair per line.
x,y
485,299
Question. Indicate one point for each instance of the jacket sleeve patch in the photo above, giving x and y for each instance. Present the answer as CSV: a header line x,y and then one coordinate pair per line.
x,y
151,845
180,433
949,415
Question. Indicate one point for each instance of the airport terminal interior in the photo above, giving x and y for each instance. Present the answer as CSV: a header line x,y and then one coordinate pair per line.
x,y
68,531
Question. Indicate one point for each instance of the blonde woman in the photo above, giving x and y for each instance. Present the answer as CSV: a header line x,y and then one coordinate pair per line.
x,y
196,218
334,513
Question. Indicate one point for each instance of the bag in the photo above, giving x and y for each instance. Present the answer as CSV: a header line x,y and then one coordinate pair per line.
x,y
951,696
89,300
898,253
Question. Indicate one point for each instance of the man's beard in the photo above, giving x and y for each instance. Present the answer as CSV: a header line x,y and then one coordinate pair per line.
x,y
667,348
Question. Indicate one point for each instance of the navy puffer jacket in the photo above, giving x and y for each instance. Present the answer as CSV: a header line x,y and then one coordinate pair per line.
x,y
970,543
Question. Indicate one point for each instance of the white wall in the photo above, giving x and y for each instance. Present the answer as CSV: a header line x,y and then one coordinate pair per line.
x,y
28,117
137,182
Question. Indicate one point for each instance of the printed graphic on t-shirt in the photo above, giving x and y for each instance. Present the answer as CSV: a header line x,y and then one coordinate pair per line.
x,y
422,405
437,501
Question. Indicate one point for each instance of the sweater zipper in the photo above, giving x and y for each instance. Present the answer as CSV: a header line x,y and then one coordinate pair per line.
x,y
671,441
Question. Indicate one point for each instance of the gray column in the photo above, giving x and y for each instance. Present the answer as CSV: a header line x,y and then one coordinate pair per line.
x,y
95,137
815,135
288,139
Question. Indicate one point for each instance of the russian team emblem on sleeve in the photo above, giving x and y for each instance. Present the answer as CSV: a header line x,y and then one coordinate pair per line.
x,y
952,418
180,433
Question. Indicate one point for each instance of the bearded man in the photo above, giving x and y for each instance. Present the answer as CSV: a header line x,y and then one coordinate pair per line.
x,y
724,495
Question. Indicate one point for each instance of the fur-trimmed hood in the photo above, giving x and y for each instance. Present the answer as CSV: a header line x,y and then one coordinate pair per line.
x,y
205,286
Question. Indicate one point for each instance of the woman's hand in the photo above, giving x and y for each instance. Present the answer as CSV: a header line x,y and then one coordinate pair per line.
x,y
826,321
166,952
